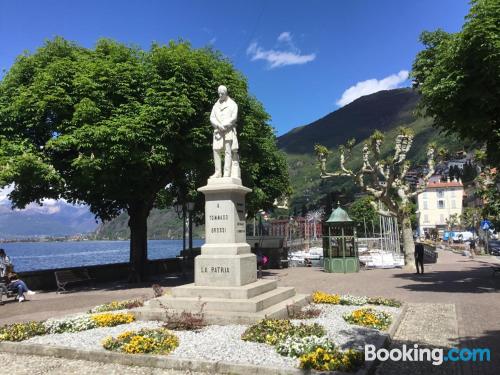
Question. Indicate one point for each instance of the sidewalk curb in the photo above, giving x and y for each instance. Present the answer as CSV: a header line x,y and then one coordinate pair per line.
x,y
143,360
371,366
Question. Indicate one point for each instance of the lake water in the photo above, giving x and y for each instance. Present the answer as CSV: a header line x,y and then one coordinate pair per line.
x,y
32,256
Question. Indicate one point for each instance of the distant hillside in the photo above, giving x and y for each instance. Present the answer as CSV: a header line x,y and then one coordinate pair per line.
x,y
162,224
55,219
383,111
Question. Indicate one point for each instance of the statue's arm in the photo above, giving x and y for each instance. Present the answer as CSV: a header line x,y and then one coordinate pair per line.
x,y
231,122
213,119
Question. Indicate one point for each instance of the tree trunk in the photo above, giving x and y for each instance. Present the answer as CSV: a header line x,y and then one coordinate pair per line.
x,y
408,244
138,241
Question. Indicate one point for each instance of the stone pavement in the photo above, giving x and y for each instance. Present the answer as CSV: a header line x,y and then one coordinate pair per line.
x,y
466,284
429,325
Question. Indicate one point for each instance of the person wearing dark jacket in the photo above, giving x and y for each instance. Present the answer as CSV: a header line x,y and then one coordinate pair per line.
x,y
419,256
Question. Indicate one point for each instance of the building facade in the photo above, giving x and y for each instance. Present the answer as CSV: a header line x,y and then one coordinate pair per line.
x,y
437,203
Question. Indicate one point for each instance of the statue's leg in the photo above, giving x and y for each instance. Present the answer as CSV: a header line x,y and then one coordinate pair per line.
x,y
235,167
227,159
218,165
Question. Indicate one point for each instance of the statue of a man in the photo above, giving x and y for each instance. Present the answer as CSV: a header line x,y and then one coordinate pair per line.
x,y
223,119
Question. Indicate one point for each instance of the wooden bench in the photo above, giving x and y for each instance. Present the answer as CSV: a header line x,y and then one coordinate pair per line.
x,y
4,291
66,277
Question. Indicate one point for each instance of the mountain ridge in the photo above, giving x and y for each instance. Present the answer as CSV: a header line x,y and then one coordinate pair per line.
x,y
380,110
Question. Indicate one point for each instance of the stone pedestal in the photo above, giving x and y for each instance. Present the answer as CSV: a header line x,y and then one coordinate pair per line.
x,y
226,259
226,285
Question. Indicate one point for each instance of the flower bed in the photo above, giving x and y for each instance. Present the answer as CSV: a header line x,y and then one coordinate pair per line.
x,y
384,301
332,360
322,297
21,331
306,341
296,346
368,317
117,305
24,331
145,341
111,320
272,331
85,322
226,342
347,299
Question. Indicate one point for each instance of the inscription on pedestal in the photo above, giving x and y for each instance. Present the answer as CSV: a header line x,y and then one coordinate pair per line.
x,y
214,269
225,220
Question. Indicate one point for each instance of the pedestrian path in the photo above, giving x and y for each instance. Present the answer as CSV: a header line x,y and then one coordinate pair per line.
x,y
428,325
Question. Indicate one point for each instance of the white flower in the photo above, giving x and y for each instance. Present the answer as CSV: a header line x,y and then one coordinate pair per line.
x,y
296,346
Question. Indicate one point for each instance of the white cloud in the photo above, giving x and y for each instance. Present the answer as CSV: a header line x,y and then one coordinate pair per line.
x,y
285,36
371,86
49,206
280,57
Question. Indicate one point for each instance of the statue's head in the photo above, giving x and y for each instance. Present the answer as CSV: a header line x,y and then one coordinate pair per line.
x,y
222,90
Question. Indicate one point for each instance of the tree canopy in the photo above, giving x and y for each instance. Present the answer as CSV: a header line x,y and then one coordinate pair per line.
x,y
363,213
121,128
458,76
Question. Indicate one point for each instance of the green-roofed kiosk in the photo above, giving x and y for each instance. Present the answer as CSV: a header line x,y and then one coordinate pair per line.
x,y
339,243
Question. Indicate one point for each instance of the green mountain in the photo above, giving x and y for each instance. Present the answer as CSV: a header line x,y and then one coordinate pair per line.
x,y
385,111
382,110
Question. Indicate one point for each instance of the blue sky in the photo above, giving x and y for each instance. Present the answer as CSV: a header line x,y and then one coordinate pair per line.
x,y
302,59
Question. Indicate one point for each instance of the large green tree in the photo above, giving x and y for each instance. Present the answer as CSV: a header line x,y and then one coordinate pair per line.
x,y
458,76
124,129
364,214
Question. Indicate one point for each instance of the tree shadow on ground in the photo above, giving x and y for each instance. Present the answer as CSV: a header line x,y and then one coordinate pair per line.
x,y
472,280
165,281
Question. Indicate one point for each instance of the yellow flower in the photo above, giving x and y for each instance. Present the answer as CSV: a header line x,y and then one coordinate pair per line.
x,y
111,320
322,297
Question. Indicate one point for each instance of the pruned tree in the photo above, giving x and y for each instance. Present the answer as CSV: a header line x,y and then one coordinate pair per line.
x,y
385,179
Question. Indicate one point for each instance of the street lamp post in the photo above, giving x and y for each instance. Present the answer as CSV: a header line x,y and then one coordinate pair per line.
x,y
180,209
190,208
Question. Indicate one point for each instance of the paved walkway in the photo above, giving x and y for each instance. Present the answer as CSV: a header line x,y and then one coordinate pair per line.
x,y
430,326
466,285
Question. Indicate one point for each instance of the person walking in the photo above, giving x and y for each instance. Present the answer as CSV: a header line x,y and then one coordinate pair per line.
x,y
419,256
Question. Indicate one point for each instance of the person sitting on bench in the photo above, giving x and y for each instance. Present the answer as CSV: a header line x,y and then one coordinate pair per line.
x,y
18,285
